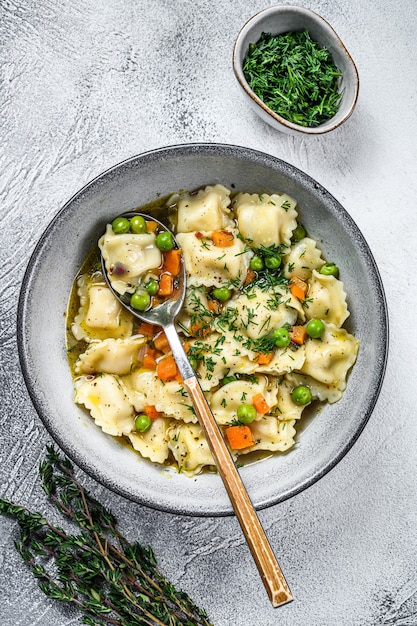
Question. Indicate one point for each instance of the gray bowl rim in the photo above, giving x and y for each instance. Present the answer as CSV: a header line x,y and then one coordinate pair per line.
x,y
238,71
271,162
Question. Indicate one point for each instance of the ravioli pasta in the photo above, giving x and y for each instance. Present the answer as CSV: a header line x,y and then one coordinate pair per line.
x,y
262,320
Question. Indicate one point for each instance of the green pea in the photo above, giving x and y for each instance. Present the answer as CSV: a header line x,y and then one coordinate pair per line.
x,y
138,224
120,225
299,233
330,269
281,337
301,395
273,262
143,423
228,379
164,241
256,263
221,293
140,300
193,362
246,413
152,287
315,328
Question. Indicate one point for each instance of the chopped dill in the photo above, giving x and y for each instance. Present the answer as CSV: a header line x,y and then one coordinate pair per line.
x,y
294,77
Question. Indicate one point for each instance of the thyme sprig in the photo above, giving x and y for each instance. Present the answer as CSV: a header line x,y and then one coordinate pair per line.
x,y
112,581
294,77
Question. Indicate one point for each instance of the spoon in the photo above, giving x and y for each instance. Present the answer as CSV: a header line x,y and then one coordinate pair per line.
x,y
164,315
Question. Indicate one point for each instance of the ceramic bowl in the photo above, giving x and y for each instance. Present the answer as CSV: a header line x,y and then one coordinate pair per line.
x,y
321,442
281,19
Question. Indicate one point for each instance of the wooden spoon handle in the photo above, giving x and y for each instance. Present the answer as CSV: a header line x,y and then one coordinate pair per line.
x,y
271,574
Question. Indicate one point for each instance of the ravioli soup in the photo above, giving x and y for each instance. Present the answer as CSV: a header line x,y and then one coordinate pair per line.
x,y
262,324
141,260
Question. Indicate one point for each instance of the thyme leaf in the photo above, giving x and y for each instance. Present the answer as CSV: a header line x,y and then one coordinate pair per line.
x,y
111,580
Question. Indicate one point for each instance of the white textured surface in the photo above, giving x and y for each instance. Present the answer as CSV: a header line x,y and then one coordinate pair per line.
x,y
85,84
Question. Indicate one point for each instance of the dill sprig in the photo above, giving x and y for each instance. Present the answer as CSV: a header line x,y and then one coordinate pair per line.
x,y
266,279
294,77
113,582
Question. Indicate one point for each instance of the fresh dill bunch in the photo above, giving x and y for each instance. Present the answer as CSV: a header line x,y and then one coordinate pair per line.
x,y
112,581
294,77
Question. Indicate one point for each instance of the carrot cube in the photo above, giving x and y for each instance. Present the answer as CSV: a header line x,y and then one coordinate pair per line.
x,y
239,437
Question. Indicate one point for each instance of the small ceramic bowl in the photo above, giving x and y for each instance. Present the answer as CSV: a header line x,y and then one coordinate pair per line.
x,y
281,19
322,441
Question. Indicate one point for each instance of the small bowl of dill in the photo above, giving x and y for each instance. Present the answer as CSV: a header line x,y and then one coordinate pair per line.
x,y
295,71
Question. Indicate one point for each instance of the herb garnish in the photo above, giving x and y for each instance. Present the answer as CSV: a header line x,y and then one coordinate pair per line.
x,y
266,279
294,77
109,579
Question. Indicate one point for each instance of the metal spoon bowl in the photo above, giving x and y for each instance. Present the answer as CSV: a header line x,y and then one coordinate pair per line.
x,y
164,315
